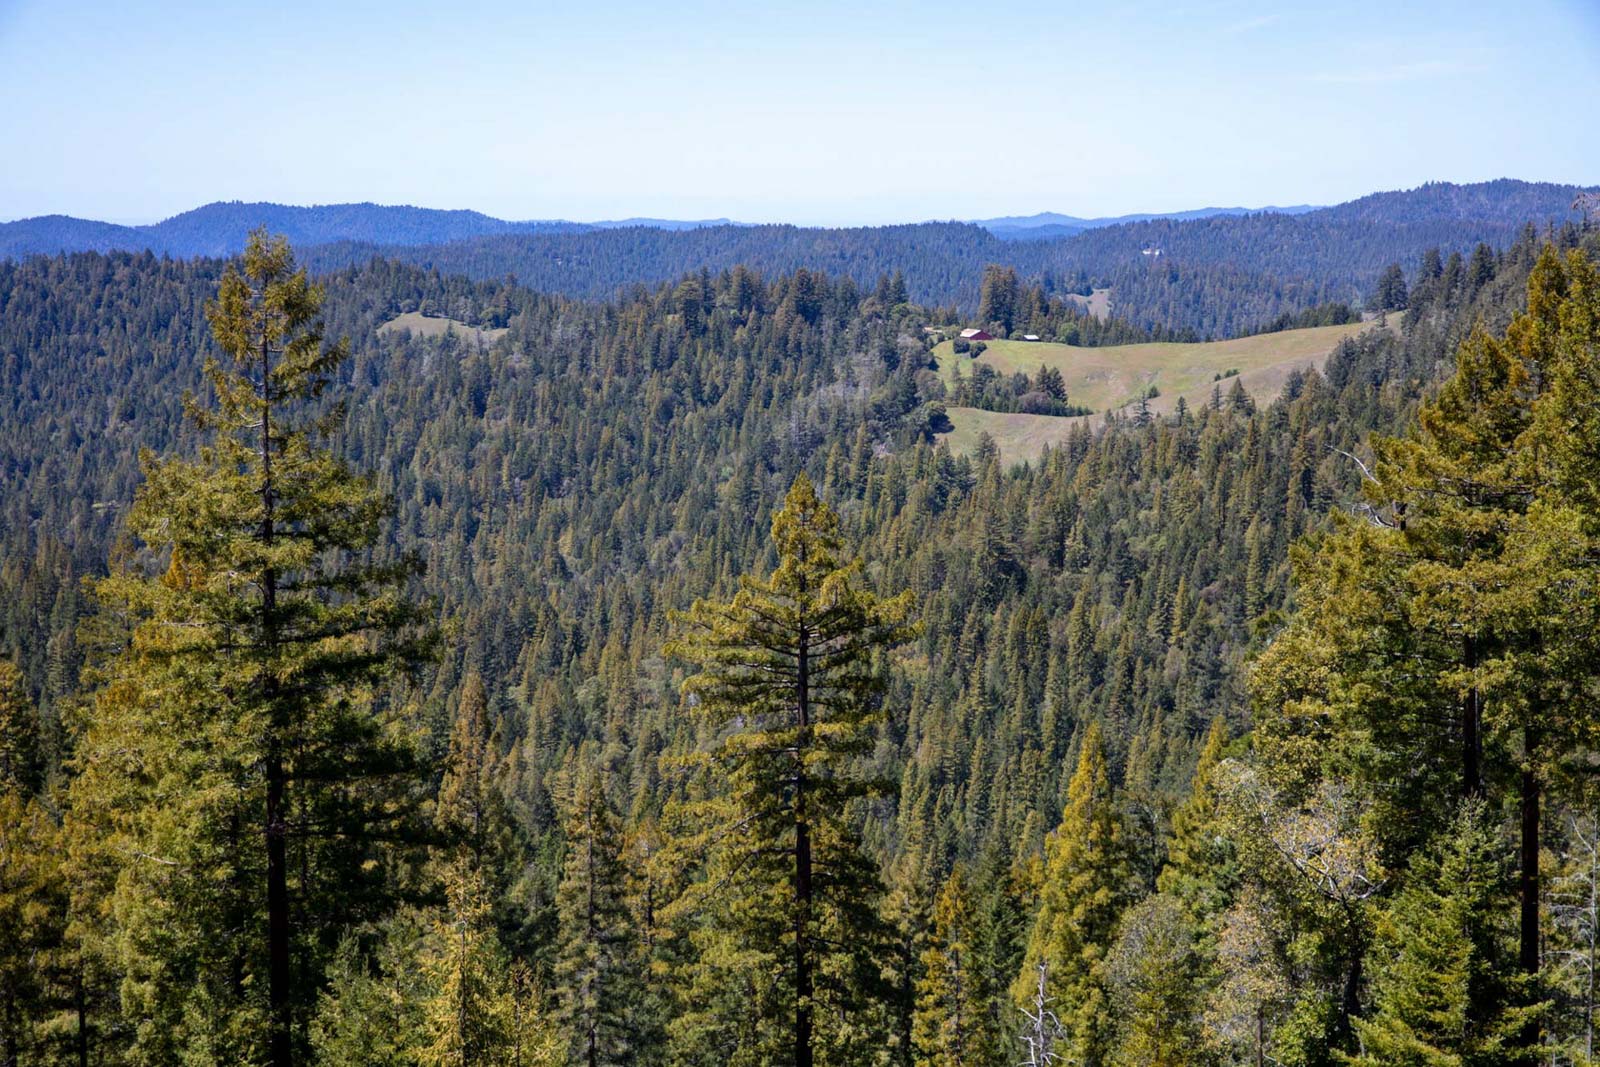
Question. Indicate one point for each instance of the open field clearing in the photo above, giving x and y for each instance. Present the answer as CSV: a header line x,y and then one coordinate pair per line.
x,y
428,326
1097,303
1113,377
1019,437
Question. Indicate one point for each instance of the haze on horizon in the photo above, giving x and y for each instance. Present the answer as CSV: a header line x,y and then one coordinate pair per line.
x,y
909,111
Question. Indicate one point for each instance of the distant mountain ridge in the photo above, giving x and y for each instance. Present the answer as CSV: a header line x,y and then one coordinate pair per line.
x,y
657,224
1055,224
1219,275
219,229
1220,272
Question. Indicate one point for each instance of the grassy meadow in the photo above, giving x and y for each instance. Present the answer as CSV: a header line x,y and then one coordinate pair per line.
x,y
1114,376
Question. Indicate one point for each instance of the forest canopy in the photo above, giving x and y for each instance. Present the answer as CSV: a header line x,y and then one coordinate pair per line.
x,y
652,684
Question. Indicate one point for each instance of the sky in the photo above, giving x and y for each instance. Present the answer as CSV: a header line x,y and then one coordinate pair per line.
x,y
818,113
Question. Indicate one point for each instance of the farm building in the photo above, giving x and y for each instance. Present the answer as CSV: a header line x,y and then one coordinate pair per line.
x,y
976,335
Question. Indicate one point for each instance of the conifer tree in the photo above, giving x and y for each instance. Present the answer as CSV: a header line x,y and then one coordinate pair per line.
x,y
469,805
1445,981
1154,975
790,680
998,297
479,1007
598,962
953,1027
1390,294
999,931
1549,596
370,1012
33,887
1201,869
1455,626
907,915
1085,886
437,988
239,760
21,757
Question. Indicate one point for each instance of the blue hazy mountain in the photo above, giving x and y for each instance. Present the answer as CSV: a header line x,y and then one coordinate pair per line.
x,y
1438,211
219,229
1054,224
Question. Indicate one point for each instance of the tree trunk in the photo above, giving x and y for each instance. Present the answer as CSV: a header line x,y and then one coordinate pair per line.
x,y
281,1046
80,1003
1471,728
1528,940
1350,997
802,869
277,915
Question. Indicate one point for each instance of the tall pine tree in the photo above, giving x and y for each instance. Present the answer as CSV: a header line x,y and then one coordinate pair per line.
x,y
1087,882
599,961
790,683
241,762
1445,980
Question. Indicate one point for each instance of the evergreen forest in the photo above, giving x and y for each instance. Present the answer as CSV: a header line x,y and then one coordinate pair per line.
x,y
631,673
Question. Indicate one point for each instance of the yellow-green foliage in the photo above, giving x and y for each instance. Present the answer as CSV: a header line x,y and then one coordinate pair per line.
x,y
1085,885
953,1026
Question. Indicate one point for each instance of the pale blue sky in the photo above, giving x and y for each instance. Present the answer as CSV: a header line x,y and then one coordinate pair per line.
x,y
826,112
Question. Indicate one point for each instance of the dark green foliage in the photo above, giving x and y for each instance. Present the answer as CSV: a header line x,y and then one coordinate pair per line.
x,y
791,681
998,299
986,388
1322,315
599,966
1445,987
1219,276
237,742
604,465
22,757
1390,294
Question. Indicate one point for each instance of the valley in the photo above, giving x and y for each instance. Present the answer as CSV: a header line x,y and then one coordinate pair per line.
x,y
640,535
452,641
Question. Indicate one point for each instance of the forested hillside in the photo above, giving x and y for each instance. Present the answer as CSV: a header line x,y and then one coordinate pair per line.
x,y
943,263
1090,777
1055,224
1219,275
